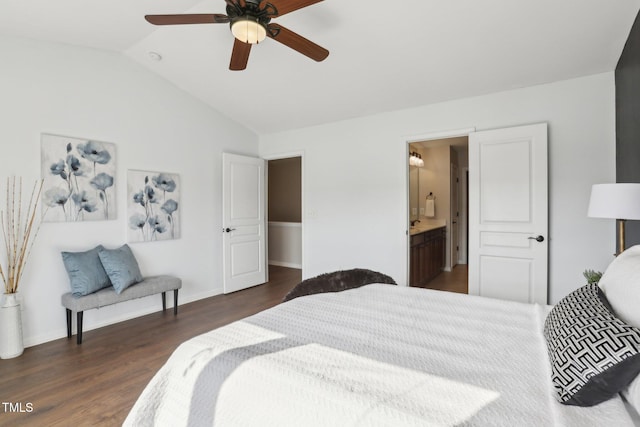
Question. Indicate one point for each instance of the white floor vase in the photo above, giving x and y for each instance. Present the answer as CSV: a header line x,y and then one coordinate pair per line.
x,y
11,344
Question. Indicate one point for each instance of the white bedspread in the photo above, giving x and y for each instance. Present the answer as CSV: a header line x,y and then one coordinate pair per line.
x,y
377,355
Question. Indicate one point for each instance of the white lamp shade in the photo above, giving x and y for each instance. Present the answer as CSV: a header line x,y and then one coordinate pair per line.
x,y
618,201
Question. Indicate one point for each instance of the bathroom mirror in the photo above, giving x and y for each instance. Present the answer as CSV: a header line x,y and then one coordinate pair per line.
x,y
414,191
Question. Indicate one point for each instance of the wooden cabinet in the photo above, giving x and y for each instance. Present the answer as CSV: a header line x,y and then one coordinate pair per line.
x,y
427,256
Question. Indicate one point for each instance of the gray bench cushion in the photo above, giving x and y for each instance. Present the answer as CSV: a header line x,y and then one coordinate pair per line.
x,y
107,296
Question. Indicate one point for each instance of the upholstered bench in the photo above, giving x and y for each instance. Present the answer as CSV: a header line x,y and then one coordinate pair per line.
x,y
108,296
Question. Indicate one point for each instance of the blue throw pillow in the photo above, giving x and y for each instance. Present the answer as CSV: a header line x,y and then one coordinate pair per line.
x,y
86,274
121,267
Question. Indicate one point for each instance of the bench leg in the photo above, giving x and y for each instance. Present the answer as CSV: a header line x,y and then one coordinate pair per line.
x,y
175,302
164,301
79,335
68,323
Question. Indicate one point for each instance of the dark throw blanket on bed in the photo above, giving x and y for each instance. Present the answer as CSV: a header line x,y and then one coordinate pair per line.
x,y
338,281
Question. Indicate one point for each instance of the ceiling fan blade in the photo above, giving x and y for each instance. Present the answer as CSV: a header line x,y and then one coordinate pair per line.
x,y
240,55
287,6
297,42
198,18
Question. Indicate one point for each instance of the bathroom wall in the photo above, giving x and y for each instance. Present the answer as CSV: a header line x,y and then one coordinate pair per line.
x,y
437,180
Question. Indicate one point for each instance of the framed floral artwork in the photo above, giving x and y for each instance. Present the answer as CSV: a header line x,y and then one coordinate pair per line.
x,y
79,178
153,206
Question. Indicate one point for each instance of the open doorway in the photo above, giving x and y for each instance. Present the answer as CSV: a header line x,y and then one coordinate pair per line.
x,y
284,213
507,232
438,219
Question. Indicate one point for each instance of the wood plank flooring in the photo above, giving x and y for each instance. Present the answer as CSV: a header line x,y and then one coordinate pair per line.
x,y
98,382
457,280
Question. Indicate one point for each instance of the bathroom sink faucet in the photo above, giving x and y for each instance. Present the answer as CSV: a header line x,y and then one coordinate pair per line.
x,y
414,222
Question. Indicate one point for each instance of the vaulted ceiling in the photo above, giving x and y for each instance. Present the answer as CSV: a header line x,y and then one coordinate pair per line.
x,y
384,55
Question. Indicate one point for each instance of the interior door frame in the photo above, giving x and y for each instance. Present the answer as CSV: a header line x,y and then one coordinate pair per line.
x,y
454,167
279,156
407,140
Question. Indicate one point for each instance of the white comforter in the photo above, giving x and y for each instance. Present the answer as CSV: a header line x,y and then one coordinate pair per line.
x,y
378,355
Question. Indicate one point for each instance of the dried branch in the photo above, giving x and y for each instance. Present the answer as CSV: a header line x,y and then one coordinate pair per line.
x,y
18,232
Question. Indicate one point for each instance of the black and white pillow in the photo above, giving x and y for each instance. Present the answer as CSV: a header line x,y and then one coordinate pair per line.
x,y
593,354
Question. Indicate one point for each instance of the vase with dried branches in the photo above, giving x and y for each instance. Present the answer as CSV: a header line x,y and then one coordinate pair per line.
x,y
20,227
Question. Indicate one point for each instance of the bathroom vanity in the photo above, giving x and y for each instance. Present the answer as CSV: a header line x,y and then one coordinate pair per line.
x,y
427,253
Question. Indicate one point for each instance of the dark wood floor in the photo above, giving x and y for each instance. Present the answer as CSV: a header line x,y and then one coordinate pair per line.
x,y
456,280
97,382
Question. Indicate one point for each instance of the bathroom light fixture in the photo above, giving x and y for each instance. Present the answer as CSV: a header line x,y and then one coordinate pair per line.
x,y
249,30
415,159
617,201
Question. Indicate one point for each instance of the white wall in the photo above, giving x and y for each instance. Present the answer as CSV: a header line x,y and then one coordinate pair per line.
x,y
285,244
355,210
96,94
356,176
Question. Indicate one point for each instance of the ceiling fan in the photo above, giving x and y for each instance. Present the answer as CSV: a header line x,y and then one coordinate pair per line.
x,y
250,22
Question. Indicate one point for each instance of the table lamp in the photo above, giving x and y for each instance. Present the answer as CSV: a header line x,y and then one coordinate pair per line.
x,y
618,201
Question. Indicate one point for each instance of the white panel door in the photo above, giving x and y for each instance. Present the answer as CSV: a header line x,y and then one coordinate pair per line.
x,y
243,222
508,214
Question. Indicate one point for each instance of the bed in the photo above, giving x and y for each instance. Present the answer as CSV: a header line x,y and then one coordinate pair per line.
x,y
377,355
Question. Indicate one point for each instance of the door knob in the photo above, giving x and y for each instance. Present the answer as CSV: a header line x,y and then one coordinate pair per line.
x,y
537,239
228,230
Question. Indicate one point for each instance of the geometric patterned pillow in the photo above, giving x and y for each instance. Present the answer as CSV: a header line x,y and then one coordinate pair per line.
x,y
593,354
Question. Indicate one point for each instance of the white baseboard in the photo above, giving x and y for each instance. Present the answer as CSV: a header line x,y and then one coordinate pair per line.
x,y
88,326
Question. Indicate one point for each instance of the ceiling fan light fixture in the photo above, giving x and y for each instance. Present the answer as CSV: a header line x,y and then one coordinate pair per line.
x,y
248,30
250,23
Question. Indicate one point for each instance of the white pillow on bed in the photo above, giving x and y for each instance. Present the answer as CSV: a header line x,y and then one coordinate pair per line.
x,y
621,284
632,394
